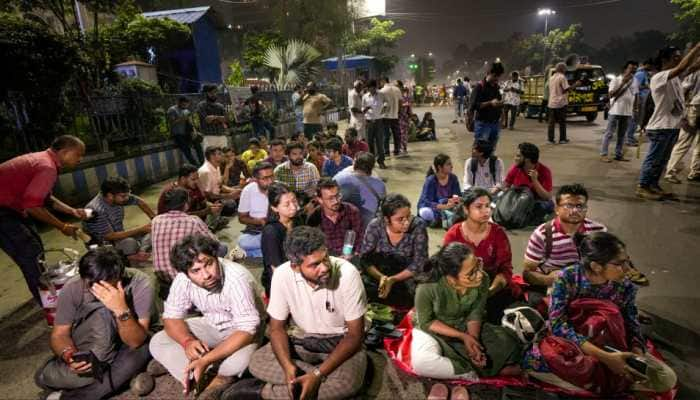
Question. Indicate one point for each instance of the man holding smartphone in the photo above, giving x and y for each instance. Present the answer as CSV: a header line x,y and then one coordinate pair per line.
x,y
101,329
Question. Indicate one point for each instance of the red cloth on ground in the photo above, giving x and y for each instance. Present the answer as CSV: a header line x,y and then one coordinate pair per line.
x,y
399,351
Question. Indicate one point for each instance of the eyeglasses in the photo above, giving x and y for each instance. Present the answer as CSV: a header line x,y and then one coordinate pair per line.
x,y
479,268
337,197
576,207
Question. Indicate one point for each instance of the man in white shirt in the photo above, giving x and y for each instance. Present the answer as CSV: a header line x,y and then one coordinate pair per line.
x,y
688,138
390,116
357,118
229,329
664,126
622,91
558,102
373,105
252,210
324,296
512,90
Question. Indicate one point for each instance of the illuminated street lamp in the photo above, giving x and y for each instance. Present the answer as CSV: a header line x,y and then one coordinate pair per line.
x,y
430,54
546,12
413,55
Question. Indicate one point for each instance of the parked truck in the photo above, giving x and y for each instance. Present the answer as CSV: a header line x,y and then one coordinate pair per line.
x,y
586,100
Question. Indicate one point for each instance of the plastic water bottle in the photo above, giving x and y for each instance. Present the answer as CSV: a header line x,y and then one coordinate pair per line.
x,y
349,242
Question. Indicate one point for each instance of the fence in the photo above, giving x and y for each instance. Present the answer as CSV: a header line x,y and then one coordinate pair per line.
x,y
124,124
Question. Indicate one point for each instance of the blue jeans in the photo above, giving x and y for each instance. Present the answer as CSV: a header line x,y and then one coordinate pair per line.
x,y
661,143
459,107
617,124
487,131
252,244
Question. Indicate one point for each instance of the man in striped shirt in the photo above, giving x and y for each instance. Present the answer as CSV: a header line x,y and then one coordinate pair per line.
x,y
169,228
228,332
542,269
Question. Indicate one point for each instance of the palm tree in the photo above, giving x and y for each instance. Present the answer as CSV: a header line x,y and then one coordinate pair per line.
x,y
296,63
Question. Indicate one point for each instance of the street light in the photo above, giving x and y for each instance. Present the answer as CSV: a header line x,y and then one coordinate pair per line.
x,y
546,12
430,54
413,55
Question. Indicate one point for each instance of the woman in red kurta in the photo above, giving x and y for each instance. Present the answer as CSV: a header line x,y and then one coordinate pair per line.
x,y
489,242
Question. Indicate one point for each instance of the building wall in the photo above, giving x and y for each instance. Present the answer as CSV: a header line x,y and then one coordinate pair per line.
x,y
206,46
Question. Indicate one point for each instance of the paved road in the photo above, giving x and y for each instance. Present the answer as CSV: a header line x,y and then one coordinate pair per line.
x,y
661,237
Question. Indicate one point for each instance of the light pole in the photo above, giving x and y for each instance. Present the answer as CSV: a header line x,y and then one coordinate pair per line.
x,y
546,12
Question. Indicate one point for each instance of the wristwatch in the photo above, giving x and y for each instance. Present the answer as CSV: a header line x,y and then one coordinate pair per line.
x,y
124,316
317,372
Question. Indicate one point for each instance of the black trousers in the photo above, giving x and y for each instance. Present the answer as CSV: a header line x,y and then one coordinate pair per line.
x,y
185,144
375,138
20,240
392,128
557,115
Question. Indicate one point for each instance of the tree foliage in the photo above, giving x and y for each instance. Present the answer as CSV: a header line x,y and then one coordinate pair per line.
x,y
255,46
688,18
376,40
295,63
235,76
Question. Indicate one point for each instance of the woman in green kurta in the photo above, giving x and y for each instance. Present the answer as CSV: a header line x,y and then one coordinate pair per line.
x,y
449,339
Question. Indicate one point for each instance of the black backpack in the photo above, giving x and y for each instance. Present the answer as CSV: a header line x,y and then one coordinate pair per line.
x,y
474,165
514,209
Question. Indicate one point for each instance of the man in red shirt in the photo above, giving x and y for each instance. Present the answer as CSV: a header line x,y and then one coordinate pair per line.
x,y
26,183
529,172
353,145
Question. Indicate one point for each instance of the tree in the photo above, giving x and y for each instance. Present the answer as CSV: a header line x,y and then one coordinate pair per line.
x,y
295,63
255,46
235,76
375,41
638,46
688,18
325,25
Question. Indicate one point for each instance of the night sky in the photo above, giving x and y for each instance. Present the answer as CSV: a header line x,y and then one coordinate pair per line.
x,y
440,25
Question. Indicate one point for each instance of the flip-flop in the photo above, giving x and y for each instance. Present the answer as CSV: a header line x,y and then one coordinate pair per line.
x,y
438,392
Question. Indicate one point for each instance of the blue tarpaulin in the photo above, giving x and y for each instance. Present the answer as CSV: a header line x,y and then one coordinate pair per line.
x,y
350,62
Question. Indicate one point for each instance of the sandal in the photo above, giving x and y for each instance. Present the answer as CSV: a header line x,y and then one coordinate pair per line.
x,y
438,392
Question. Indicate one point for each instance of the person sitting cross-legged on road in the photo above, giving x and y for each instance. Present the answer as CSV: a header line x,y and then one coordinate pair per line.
x,y
281,218
277,150
393,252
595,289
449,340
359,187
440,195
230,326
490,243
168,229
324,296
483,169
252,211
301,176
212,184
353,145
336,161
254,153
107,226
100,332
335,218
529,172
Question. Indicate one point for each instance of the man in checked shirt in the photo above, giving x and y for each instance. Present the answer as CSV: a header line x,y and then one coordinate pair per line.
x,y
229,330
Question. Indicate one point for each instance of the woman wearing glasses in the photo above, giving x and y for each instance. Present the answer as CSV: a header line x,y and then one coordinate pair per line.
x,y
393,251
489,242
449,340
593,308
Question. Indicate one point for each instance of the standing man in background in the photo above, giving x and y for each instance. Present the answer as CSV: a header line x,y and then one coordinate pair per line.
x,y
181,130
558,102
26,183
212,118
314,105
460,95
390,116
357,118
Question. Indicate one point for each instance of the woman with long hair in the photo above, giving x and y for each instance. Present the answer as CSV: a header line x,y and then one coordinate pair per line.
x,y
394,249
489,242
405,112
599,281
440,192
281,219
449,339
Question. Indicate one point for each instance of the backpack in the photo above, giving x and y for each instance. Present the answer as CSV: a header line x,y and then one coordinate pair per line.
x,y
515,208
526,322
473,166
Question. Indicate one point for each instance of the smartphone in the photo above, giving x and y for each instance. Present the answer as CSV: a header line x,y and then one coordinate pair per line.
x,y
82,356
635,363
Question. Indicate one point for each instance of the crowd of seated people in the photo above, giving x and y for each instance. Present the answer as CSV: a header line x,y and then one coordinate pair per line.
x,y
332,240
